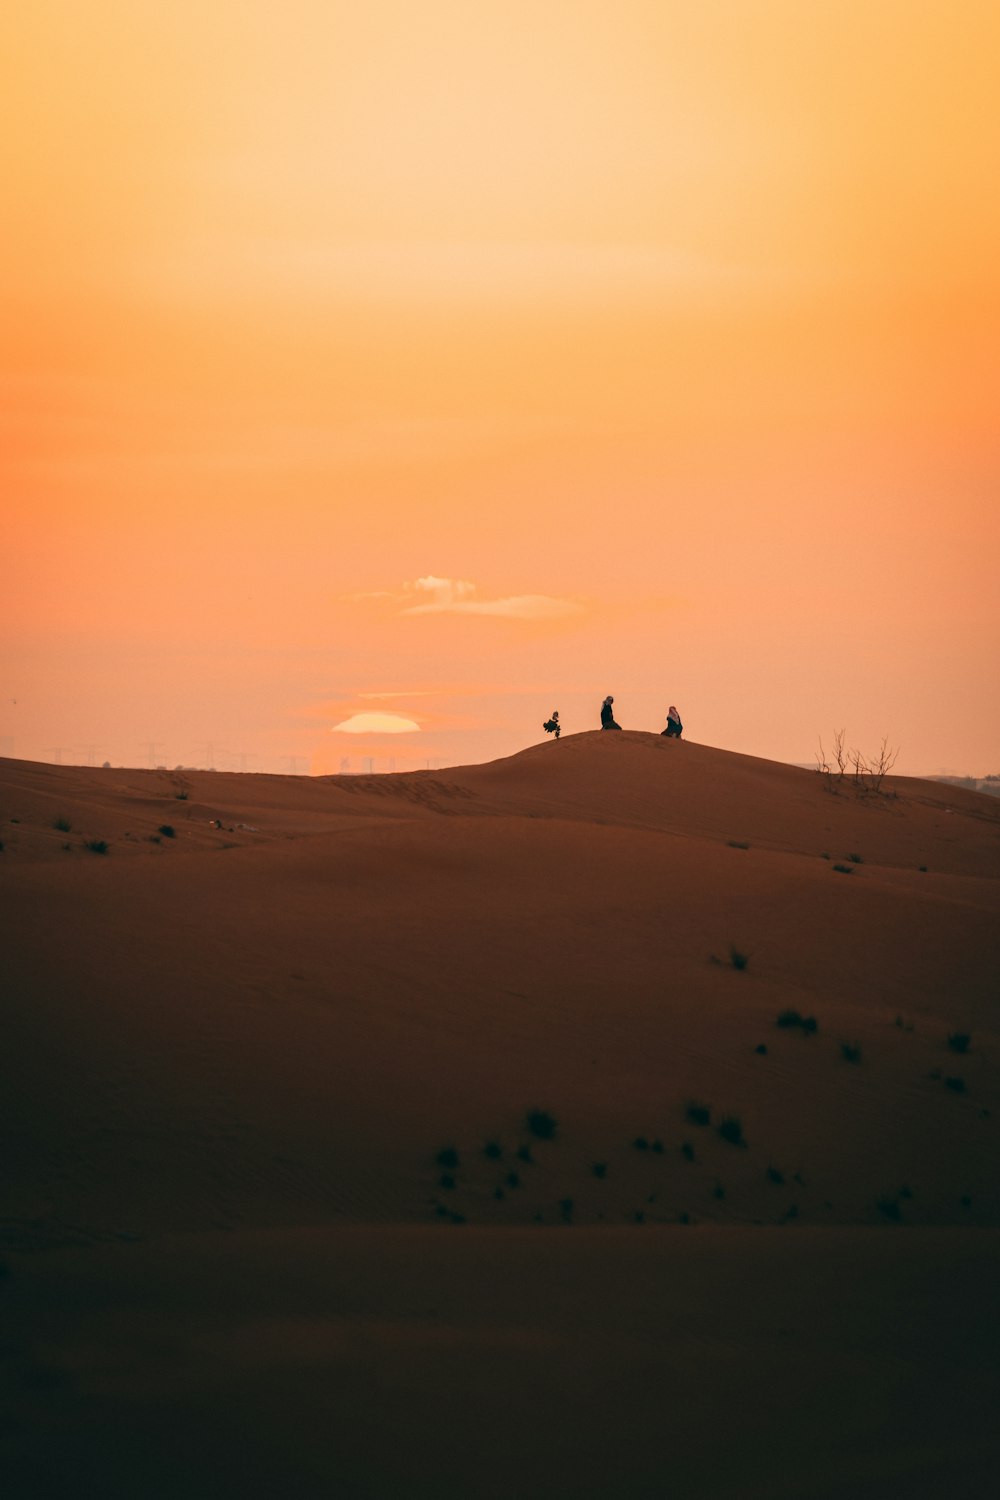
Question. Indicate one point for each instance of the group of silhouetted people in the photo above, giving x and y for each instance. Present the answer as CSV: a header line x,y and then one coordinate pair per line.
x,y
673,731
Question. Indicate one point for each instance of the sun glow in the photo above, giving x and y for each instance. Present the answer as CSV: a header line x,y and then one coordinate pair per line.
x,y
370,723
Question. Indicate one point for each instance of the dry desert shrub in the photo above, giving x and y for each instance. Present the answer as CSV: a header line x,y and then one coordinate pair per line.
x,y
731,1130
541,1124
959,1041
96,846
790,1019
850,1052
698,1114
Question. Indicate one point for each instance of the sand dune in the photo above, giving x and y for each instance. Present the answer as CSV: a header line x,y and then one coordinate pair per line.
x,y
279,1004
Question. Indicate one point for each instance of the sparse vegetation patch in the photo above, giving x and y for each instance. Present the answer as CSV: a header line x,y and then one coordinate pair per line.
x,y
789,1019
541,1124
62,825
731,1130
698,1114
850,1052
737,959
96,846
959,1041
844,869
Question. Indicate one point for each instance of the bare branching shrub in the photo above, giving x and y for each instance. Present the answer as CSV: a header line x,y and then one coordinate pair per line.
x,y
867,772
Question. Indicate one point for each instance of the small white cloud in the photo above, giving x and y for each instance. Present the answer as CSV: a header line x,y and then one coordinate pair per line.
x,y
376,724
445,593
517,607
455,596
431,595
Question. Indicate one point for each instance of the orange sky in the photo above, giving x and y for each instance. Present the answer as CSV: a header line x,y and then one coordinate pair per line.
x,y
660,337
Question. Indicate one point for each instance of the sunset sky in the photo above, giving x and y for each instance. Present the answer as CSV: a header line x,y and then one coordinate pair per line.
x,y
462,361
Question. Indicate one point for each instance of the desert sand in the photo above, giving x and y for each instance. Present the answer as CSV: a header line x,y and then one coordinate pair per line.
x,y
435,1134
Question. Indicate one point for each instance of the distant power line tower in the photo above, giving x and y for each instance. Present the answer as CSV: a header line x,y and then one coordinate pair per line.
x,y
90,751
209,748
151,747
371,765
243,756
57,751
292,762
392,765
345,765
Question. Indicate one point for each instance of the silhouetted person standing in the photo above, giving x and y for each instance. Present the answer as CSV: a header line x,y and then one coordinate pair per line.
x,y
607,714
674,728
553,726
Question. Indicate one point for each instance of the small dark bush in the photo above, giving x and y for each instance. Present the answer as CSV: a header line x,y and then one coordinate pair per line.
x,y
844,869
957,1085
513,1180
499,1194
683,1218
493,1150
447,1157
639,1216
181,796
600,1169
167,831
890,1208
718,1191
790,1018
447,1180
657,1146
524,1154
96,846
698,1114
761,1049
965,1201
154,838
922,869
63,825
736,844
824,856
541,1124
906,1191
959,1041
855,859
687,1151
773,1175
737,959
566,1208
731,1130
640,1143
849,1053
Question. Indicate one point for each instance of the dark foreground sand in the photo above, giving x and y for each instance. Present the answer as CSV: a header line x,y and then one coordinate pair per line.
x,y
274,1220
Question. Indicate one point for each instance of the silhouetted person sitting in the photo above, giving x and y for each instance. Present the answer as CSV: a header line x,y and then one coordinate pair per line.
x,y
607,714
674,728
552,726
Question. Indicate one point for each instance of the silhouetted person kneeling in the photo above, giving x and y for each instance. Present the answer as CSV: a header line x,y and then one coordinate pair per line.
x,y
552,726
674,728
607,714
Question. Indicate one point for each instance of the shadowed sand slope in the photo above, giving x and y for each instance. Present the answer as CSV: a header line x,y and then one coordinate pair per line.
x,y
268,1042
284,1010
